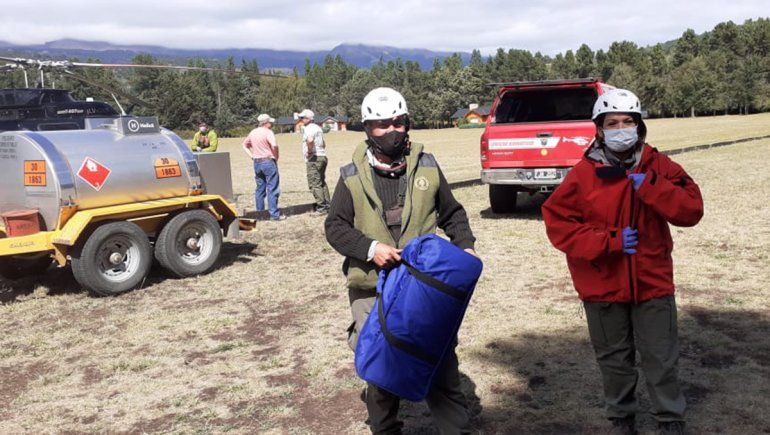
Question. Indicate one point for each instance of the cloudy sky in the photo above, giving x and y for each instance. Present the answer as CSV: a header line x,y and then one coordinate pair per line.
x,y
549,26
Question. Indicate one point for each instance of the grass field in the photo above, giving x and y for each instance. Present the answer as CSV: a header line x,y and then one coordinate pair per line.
x,y
457,151
258,345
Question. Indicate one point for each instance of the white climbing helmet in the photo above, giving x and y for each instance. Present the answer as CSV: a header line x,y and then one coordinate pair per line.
x,y
383,103
617,100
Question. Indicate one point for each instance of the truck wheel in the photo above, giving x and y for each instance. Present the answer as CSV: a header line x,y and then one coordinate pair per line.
x,y
115,258
189,244
20,266
503,198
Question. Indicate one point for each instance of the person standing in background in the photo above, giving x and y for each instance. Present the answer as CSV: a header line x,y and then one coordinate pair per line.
x,y
314,151
260,145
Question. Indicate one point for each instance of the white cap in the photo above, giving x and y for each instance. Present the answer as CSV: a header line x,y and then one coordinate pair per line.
x,y
617,101
263,118
383,103
307,113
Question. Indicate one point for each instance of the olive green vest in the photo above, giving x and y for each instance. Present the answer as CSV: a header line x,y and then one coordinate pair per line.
x,y
418,217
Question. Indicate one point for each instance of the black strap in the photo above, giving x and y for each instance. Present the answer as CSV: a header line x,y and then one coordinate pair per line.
x,y
433,282
397,343
402,186
392,339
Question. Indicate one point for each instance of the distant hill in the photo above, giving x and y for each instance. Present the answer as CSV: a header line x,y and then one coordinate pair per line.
x,y
363,56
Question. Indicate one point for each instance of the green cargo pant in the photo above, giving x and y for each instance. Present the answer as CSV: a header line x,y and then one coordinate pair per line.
x,y
316,181
446,400
617,331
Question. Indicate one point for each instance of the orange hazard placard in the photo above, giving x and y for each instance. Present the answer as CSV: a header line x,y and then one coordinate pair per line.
x,y
34,173
35,180
34,166
167,168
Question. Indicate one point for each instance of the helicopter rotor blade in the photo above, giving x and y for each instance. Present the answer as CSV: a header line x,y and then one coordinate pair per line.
x,y
65,64
146,66
110,90
16,60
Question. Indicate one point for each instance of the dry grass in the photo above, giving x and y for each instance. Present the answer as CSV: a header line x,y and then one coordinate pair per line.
x,y
259,345
458,151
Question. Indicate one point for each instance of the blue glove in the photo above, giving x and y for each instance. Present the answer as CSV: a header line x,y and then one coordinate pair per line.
x,y
637,179
630,240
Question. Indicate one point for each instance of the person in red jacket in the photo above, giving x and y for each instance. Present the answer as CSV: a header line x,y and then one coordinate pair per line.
x,y
610,216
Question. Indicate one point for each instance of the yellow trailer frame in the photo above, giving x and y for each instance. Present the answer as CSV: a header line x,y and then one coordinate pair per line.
x,y
73,223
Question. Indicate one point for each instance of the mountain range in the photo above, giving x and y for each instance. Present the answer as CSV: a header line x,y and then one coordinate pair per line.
x,y
360,55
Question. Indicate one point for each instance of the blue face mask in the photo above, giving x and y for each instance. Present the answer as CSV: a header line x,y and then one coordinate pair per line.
x,y
622,139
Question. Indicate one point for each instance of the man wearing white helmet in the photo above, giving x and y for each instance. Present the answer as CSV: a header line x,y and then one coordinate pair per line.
x,y
314,151
611,218
390,193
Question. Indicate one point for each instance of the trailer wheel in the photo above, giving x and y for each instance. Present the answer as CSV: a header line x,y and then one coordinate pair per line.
x,y
20,266
115,258
503,198
189,244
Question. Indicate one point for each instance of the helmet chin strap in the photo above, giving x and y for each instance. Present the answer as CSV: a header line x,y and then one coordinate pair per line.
x,y
391,168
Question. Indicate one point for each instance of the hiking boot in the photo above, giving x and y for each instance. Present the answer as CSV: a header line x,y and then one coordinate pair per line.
x,y
671,428
623,426
279,218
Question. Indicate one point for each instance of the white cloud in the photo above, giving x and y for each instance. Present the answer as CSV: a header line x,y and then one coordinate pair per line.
x,y
549,26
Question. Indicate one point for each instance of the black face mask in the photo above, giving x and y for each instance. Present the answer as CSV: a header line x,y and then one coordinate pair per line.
x,y
391,144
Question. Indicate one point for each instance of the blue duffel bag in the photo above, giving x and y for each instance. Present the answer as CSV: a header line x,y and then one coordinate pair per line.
x,y
414,321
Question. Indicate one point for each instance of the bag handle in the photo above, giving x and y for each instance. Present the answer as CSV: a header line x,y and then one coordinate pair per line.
x,y
433,282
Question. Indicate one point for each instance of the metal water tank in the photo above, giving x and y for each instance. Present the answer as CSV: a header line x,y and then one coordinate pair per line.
x,y
114,161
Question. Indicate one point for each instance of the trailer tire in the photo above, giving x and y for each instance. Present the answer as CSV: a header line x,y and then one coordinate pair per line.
x,y
503,198
114,259
20,266
189,244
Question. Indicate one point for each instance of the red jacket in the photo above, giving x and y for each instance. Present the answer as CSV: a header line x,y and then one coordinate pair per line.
x,y
586,214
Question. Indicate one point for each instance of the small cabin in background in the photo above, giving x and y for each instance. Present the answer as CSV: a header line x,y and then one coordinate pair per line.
x,y
474,114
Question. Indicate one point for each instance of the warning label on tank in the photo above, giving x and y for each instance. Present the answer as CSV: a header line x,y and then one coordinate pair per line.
x,y
167,168
34,173
94,173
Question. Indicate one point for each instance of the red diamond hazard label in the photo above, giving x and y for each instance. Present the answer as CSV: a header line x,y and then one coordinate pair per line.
x,y
93,173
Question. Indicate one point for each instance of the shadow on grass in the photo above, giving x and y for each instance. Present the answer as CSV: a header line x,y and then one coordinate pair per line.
x,y
527,208
417,417
59,281
724,364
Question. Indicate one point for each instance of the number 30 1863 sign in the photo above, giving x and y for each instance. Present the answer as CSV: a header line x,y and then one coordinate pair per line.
x,y
167,168
34,173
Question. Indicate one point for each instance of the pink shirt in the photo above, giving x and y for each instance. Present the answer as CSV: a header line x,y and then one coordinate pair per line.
x,y
260,143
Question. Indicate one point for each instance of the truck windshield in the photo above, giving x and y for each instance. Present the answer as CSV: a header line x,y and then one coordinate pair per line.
x,y
542,105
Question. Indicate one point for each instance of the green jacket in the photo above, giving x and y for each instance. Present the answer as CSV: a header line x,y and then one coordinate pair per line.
x,y
418,217
213,141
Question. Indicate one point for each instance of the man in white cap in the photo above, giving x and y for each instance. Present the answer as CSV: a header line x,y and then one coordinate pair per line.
x,y
314,151
260,145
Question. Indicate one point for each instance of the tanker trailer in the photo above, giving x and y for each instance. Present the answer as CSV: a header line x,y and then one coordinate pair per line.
x,y
107,200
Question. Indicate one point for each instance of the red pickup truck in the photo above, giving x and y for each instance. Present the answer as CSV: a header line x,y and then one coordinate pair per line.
x,y
536,132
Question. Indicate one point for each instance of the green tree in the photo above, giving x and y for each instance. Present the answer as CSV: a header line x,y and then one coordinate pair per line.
x,y
584,59
686,48
693,86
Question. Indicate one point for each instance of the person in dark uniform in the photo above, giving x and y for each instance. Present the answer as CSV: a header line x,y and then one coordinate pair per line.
x,y
390,193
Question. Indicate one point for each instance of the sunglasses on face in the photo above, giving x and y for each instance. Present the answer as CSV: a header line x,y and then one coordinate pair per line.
x,y
386,123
